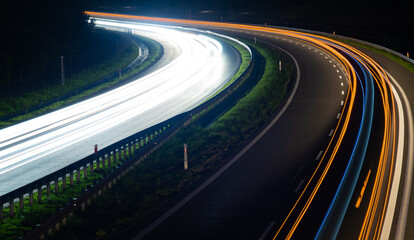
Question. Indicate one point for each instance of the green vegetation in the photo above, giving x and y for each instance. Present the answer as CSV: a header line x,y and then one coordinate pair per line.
x,y
155,183
395,58
8,106
21,223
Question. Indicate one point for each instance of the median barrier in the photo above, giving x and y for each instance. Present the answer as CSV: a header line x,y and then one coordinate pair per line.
x,y
116,159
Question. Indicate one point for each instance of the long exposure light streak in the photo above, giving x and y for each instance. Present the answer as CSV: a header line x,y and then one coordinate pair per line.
x,y
387,152
201,59
372,225
197,70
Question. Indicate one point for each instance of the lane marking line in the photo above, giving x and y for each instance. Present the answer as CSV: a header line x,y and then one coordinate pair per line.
x,y
190,196
331,132
361,194
338,116
299,185
319,155
264,234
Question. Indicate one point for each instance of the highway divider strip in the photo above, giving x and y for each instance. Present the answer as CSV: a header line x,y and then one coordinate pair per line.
x,y
119,157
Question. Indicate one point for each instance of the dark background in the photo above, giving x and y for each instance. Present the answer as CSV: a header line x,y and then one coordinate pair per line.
x,y
388,23
35,31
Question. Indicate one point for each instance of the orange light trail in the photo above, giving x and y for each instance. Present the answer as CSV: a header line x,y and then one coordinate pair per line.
x,y
383,84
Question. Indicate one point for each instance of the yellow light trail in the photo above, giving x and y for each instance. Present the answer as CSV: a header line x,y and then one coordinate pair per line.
x,y
388,140
377,72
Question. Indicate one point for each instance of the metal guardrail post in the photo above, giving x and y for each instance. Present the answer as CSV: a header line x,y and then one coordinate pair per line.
x,y
57,185
11,208
21,202
39,194
48,189
31,197
85,172
91,167
78,173
71,177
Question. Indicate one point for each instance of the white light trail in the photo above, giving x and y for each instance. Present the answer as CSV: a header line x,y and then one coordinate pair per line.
x,y
198,70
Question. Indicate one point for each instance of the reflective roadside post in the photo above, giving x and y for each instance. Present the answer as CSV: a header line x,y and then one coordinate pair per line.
x,y
97,159
185,157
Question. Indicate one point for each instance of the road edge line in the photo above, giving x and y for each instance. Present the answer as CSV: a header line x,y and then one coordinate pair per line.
x,y
175,208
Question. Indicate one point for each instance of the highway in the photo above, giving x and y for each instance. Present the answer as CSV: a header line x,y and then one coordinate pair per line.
x,y
335,162
193,68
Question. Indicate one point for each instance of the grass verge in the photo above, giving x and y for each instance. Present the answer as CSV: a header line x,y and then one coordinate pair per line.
x,y
395,58
82,79
154,183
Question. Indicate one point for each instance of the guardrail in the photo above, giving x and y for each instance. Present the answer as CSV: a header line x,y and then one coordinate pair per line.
x,y
116,159
406,58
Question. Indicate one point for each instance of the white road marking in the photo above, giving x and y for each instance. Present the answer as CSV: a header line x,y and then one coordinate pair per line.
x,y
338,115
171,211
331,132
264,234
319,155
299,186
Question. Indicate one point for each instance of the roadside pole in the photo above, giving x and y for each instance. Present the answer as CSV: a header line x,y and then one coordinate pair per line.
x,y
185,157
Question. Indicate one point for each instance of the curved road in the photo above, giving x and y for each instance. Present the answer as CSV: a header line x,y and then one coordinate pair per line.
x,y
179,82
338,88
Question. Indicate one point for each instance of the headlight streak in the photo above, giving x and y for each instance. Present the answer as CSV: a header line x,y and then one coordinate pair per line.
x,y
406,190
200,57
388,142
336,211
383,85
331,157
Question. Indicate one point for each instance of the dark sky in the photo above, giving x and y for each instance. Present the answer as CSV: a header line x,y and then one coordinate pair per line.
x,y
347,11
387,23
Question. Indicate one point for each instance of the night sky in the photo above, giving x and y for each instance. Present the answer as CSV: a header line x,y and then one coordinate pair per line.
x,y
388,23
40,22
348,12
